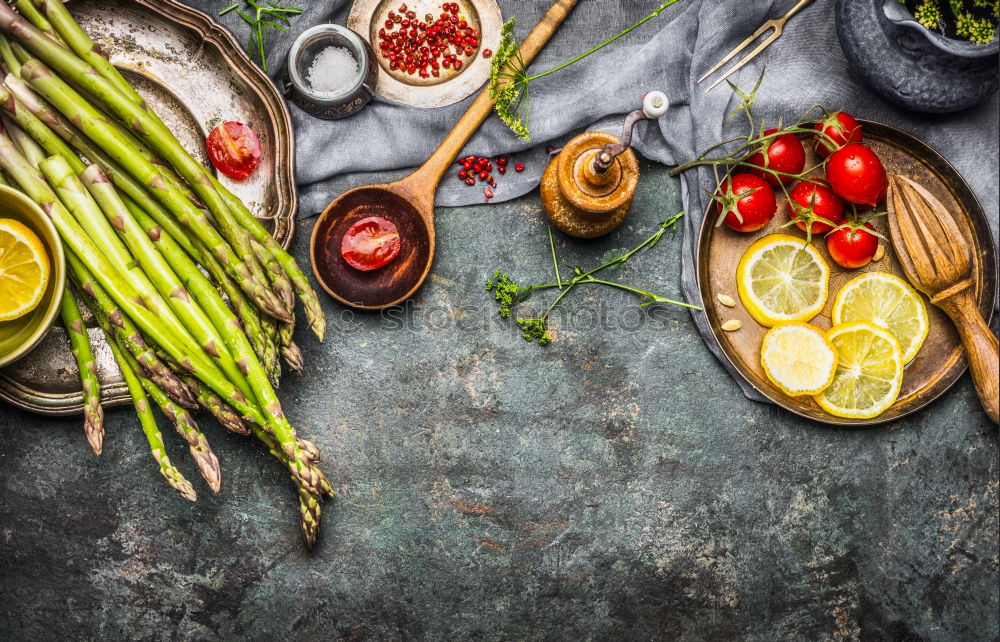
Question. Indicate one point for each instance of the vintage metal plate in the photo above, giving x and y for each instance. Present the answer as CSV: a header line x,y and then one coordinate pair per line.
x,y
941,360
368,16
195,75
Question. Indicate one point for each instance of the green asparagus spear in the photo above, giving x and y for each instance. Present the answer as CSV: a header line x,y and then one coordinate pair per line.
x,y
61,22
149,427
93,412
29,11
8,57
198,446
210,401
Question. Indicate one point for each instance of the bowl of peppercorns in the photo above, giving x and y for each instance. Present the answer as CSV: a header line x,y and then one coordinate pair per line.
x,y
430,53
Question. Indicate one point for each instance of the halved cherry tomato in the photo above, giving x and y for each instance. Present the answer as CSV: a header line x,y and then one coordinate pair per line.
x,y
856,174
818,202
852,246
745,202
841,128
234,149
370,243
784,153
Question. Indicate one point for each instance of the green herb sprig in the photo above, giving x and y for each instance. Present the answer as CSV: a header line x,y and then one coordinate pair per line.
x,y
272,16
535,329
509,78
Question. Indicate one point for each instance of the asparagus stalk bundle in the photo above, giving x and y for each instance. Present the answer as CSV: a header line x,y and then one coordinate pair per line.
x,y
196,299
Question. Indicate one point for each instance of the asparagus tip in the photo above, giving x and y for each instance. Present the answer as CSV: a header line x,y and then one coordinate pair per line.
x,y
208,464
293,357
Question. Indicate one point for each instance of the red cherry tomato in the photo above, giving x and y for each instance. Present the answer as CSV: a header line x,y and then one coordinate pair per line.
x,y
841,127
852,247
234,149
784,153
370,243
856,174
818,200
745,202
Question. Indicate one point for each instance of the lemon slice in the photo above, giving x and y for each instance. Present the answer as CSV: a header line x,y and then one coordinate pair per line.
x,y
889,302
869,371
24,270
782,278
798,358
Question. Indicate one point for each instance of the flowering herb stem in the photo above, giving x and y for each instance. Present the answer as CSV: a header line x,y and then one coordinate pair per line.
x,y
509,79
555,261
508,294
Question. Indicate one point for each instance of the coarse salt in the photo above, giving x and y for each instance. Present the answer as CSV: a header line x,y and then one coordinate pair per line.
x,y
332,70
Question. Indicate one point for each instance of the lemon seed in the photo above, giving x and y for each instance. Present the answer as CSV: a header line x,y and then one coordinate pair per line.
x,y
732,325
879,253
726,300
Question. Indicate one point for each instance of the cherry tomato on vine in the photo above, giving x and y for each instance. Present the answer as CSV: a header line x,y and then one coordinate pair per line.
x,y
784,153
856,174
841,127
745,202
817,202
234,149
852,246
370,243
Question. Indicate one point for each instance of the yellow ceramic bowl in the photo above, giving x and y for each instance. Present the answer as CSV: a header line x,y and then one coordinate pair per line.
x,y
19,336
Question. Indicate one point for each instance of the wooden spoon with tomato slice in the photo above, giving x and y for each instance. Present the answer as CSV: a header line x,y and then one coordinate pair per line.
x,y
407,204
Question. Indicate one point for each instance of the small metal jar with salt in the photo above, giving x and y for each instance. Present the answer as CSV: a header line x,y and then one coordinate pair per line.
x,y
331,72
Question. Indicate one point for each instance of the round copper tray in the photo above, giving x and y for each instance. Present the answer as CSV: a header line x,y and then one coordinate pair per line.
x,y
195,75
368,16
941,360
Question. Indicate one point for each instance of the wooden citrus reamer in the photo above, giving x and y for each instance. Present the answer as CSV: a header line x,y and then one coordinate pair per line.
x,y
937,258
408,203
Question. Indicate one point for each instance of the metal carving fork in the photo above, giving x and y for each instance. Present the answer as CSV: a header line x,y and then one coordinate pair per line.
x,y
776,23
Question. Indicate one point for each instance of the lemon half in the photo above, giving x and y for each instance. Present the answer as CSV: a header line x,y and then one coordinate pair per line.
x,y
798,358
24,269
889,302
869,371
782,278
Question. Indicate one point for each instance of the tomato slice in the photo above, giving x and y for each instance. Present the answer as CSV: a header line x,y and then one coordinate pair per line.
x,y
370,243
234,149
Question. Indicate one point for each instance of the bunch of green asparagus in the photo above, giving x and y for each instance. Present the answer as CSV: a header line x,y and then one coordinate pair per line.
x,y
143,224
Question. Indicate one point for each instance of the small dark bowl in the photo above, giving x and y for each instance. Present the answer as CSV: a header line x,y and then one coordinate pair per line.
x,y
348,99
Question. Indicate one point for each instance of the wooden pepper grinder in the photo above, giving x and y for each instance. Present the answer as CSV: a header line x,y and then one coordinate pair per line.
x,y
587,189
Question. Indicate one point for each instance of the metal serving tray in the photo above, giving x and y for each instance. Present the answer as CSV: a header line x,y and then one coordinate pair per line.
x,y
195,75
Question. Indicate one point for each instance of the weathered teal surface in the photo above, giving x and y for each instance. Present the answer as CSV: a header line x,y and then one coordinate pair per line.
x,y
614,485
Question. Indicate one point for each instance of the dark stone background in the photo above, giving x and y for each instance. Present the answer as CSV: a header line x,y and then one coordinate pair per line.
x,y
615,485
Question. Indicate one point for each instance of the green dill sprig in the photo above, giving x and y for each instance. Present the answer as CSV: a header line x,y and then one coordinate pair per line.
x,y
272,16
509,79
535,329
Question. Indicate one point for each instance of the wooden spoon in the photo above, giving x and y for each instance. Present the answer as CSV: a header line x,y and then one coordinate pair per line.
x,y
408,203
937,259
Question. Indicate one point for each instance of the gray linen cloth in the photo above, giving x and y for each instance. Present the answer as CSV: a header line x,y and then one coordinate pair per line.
x,y
804,67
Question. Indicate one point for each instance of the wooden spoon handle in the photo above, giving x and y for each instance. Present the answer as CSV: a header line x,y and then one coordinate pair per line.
x,y
426,178
980,347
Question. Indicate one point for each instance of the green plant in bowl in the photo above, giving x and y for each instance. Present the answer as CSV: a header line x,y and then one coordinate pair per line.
x,y
20,335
